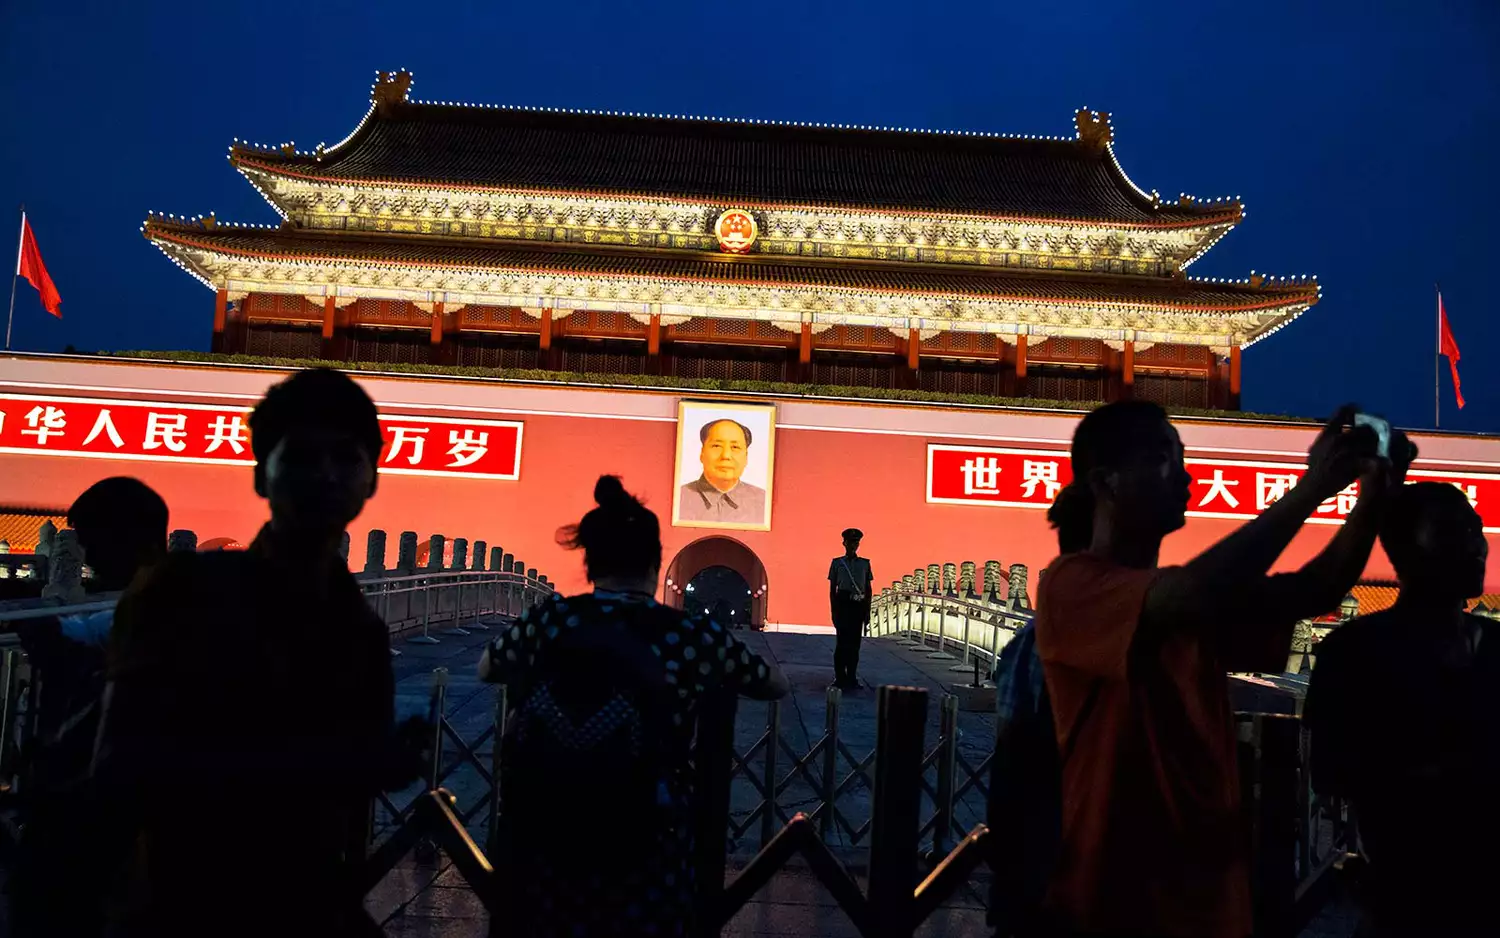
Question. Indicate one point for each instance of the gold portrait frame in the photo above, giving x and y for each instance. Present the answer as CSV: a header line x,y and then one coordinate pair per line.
x,y
692,415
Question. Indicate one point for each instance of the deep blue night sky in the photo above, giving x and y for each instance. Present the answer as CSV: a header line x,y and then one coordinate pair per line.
x,y
1361,135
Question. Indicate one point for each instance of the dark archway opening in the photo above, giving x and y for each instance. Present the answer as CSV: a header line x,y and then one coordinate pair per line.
x,y
719,593
719,570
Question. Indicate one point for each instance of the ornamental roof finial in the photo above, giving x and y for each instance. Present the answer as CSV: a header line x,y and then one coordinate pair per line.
x,y
1094,131
390,89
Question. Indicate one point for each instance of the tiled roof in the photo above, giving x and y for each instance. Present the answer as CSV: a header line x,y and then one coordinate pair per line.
x,y
294,246
743,162
1375,597
19,526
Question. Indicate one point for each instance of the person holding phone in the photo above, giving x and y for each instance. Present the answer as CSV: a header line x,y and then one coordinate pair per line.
x,y
1136,657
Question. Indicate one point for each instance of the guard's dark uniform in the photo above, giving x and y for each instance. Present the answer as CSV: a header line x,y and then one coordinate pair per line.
x,y
849,598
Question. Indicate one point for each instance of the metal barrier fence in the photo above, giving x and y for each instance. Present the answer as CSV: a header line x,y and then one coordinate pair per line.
x,y
1291,870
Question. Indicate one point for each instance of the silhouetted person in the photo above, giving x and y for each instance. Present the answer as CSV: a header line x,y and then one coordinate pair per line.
x,y
1404,709
849,581
249,714
604,689
57,888
1135,661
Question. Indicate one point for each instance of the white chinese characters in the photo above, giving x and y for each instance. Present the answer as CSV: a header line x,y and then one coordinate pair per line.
x,y
467,448
169,430
981,476
105,424
44,423
226,431
1040,473
1218,488
400,437
1271,487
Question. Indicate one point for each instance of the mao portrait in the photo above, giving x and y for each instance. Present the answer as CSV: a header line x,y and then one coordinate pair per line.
x,y
725,455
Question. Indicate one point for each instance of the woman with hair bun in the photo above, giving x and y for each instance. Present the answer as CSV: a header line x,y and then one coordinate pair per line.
x,y
595,832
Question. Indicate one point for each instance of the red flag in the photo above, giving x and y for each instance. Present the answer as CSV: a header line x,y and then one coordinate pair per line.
x,y
30,266
1449,347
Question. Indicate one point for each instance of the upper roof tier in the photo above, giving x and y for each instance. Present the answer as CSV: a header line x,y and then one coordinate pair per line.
x,y
746,163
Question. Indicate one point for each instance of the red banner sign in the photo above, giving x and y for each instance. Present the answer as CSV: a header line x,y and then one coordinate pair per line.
x,y
220,434
1221,488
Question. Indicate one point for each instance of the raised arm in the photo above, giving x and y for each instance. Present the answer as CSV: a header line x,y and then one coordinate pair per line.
x,y
1228,581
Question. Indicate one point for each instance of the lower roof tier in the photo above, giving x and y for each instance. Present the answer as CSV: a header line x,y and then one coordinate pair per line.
x,y
677,286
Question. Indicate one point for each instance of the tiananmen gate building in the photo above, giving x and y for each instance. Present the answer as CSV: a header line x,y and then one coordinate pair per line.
x,y
440,248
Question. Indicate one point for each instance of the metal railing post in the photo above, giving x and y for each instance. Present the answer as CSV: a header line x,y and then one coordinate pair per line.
x,y
713,753
826,825
768,823
947,771
502,701
425,638
436,710
896,807
10,696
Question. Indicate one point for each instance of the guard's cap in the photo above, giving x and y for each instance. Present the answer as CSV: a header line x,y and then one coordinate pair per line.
x,y
854,533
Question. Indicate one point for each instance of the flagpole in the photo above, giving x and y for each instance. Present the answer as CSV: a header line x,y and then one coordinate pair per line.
x,y
16,275
1437,381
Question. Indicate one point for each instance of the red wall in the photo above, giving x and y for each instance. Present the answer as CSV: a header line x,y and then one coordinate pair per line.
x,y
837,465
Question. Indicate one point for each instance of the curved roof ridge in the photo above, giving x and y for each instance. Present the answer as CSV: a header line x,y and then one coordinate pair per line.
x,y
766,161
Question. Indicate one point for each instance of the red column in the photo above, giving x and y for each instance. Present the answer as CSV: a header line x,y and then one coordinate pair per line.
x,y
328,314
1234,377
1127,370
804,346
437,324
1021,365
546,329
221,316
913,349
653,335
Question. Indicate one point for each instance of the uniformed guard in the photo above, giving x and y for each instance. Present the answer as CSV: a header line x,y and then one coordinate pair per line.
x,y
849,581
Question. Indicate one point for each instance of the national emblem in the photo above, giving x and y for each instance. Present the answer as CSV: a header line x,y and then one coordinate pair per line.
x,y
736,230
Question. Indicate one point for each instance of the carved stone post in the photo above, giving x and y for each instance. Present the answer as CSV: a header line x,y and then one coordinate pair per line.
x,y
481,551
65,569
46,536
460,553
406,553
435,548
1017,597
497,559
966,579
375,551
182,540
992,581
950,575
934,578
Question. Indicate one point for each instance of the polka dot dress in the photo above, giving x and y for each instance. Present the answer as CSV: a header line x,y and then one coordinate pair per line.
x,y
654,897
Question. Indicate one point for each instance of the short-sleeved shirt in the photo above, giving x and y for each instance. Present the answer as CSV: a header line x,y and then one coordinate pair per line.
x,y
851,576
234,674
1152,838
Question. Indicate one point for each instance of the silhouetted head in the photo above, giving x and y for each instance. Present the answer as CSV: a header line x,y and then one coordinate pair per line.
x,y
1435,541
122,526
317,442
1127,468
621,538
852,537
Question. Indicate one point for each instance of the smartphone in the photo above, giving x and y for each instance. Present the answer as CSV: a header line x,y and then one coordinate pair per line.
x,y
1382,428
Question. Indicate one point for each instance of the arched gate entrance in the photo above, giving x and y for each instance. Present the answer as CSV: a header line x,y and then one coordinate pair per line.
x,y
718,552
